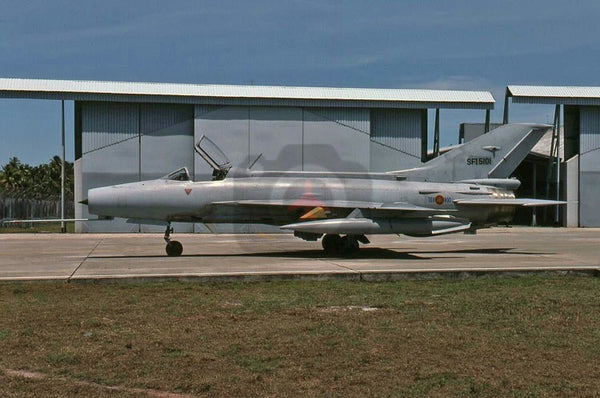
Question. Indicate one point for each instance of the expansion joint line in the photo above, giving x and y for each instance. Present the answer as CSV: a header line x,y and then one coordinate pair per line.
x,y
84,260
339,265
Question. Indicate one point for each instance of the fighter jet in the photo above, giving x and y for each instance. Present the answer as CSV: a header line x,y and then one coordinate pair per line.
x,y
462,190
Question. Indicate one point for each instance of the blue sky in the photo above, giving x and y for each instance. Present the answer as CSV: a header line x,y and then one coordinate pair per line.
x,y
472,45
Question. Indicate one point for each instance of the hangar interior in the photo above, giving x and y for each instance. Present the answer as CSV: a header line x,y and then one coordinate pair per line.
x,y
536,173
573,166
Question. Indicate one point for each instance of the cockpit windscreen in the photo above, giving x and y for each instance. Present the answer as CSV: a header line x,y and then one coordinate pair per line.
x,y
181,174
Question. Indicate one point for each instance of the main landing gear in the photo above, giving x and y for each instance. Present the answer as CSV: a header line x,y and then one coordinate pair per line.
x,y
342,245
174,248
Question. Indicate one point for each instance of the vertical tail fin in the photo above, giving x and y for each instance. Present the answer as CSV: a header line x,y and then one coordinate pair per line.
x,y
493,155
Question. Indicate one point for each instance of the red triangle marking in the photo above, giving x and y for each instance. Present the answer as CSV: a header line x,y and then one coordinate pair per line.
x,y
188,191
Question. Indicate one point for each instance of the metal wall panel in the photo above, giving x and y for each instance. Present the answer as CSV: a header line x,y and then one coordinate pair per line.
x,y
356,118
167,144
589,129
589,166
167,139
332,146
570,187
200,110
398,130
384,158
108,124
277,134
288,138
109,140
589,183
229,128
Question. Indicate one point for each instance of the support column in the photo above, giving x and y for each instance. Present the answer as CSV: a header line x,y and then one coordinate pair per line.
x,y
139,142
487,121
534,212
557,208
505,117
436,134
140,150
63,227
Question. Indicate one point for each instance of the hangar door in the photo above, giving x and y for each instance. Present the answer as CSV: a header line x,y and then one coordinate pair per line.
x,y
117,143
398,138
289,138
589,166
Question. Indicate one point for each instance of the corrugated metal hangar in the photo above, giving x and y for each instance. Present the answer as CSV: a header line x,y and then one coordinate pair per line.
x,y
135,131
578,177
127,131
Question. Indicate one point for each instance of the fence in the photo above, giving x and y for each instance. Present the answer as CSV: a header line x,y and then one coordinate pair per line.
x,y
23,209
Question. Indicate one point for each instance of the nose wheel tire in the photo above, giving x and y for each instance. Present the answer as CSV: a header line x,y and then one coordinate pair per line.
x,y
174,248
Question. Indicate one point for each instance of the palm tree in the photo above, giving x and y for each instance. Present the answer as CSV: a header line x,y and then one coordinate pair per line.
x,y
13,176
38,182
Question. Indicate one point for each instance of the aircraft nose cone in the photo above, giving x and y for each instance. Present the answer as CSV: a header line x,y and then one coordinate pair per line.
x,y
104,201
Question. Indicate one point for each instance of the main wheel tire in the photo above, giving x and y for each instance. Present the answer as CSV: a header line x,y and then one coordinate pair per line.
x,y
331,243
174,248
348,245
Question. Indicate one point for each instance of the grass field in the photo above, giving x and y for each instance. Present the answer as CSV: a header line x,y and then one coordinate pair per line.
x,y
522,337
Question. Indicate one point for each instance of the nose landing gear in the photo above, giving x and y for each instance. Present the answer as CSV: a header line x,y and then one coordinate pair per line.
x,y
174,248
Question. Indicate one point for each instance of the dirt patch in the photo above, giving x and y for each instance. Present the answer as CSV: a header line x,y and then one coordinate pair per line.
x,y
345,308
40,376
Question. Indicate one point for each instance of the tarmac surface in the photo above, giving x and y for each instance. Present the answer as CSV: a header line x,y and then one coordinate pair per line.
x,y
136,257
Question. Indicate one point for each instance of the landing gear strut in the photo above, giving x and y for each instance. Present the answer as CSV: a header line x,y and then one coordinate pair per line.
x,y
342,245
174,248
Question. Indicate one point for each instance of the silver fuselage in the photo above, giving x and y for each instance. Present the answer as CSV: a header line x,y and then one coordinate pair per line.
x,y
167,200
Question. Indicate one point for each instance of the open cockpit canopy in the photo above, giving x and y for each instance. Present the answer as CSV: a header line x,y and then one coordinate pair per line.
x,y
214,156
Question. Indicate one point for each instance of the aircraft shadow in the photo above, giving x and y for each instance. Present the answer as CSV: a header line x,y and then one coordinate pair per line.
x,y
370,253
503,250
364,253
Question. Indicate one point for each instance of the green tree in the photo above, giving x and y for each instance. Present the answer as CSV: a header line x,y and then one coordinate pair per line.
x,y
38,182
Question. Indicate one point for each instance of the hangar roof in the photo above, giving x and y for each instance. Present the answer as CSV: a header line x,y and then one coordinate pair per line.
x,y
567,95
242,95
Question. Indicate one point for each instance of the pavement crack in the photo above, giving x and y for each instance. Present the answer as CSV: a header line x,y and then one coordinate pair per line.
x,y
337,264
84,260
